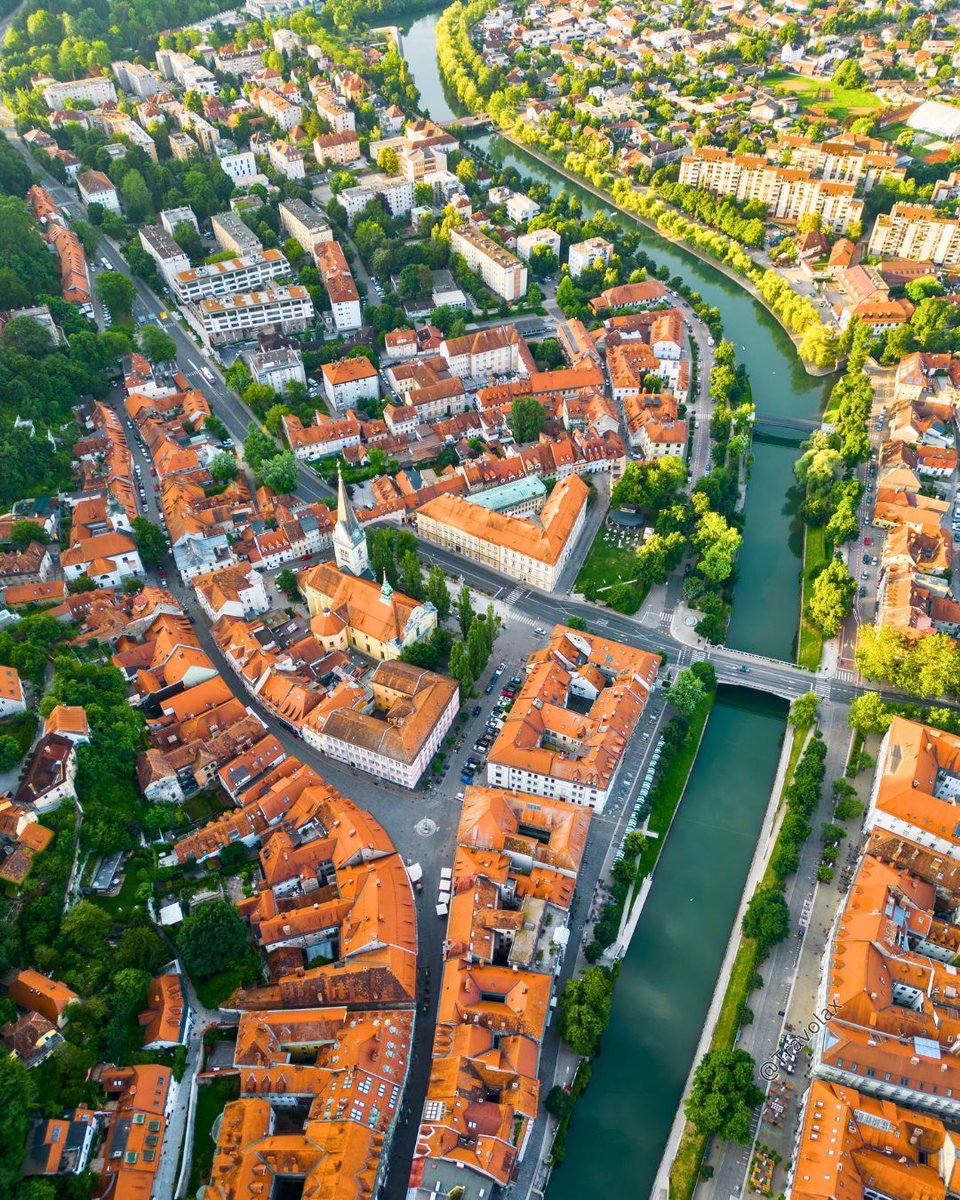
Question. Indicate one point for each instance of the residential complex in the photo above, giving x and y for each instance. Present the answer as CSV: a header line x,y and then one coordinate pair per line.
x,y
240,314
918,232
248,273
500,270
788,193
565,736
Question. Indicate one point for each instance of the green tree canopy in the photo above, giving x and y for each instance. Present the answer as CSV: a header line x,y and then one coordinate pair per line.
x,y
212,938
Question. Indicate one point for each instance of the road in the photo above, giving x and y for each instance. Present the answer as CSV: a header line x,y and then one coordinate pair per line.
x,y
526,610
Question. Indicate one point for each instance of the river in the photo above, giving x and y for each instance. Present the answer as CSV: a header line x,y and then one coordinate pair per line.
x,y
768,591
619,1130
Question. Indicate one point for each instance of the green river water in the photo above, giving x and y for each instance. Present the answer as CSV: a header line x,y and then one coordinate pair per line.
x,y
621,1125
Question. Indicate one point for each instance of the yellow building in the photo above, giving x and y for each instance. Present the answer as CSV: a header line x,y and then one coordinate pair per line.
x,y
348,612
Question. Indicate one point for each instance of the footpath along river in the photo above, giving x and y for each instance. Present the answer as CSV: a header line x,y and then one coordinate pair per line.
x,y
618,1133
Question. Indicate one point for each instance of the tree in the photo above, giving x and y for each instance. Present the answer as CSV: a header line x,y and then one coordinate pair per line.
x,y
24,335
869,714
584,1009
115,292
151,544
411,576
388,161
686,693
222,468
831,601
527,416
142,948
279,473
22,533
465,614
188,239
803,711
157,345
9,752
287,583
460,669
437,592
212,938
17,1092
723,1095
767,918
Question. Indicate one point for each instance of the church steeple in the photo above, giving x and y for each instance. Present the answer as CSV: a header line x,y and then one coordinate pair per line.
x,y
349,540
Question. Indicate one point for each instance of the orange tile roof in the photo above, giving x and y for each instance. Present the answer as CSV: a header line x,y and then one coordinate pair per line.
x,y
35,992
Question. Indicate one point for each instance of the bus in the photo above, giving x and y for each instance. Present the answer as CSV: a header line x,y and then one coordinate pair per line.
x,y
208,375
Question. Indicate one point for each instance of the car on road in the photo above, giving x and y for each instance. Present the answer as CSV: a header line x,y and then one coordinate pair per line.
x,y
477,710
489,688
864,574
540,631
744,670
459,795
868,541
863,592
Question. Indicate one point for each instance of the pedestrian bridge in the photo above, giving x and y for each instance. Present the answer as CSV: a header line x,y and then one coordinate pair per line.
x,y
784,425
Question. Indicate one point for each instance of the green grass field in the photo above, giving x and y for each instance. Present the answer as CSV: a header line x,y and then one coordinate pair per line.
x,y
607,564
212,1098
815,558
837,102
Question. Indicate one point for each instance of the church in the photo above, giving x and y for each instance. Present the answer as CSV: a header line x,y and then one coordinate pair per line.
x,y
351,610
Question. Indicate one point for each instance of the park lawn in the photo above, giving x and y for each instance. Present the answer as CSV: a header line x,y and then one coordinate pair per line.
x,y
837,102
212,1098
815,558
606,564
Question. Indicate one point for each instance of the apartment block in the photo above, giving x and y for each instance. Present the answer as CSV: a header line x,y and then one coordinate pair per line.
x,y
857,1146
232,234
533,551
528,242
583,255
341,289
395,192
181,68
337,148
848,158
277,368
306,224
137,80
500,270
237,317
568,729
349,381
278,108
98,89
239,166
287,160
918,232
95,188
789,193
246,273
165,252
916,787
340,118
